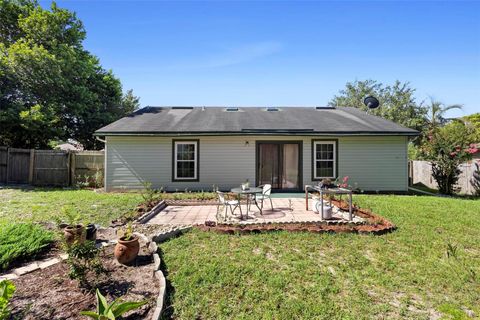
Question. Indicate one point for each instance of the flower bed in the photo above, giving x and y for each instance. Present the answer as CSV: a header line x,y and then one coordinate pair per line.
x,y
58,297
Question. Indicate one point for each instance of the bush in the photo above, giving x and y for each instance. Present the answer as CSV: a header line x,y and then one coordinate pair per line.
x,y
22,241
84,263
447,148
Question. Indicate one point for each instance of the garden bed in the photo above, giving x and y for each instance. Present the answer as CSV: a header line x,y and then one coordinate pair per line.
x,y
57,297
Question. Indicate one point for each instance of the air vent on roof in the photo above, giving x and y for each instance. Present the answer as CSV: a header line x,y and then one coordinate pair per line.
x,y
325,108
272,109
182,108
231,109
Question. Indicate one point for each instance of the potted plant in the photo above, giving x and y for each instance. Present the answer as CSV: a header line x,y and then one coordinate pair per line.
x,y
127,247
74,231
246,185
327,183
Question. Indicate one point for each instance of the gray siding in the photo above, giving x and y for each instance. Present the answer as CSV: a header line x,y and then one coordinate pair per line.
x,y
374,163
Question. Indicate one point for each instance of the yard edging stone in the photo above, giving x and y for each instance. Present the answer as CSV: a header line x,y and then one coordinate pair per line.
x,y
152,213
158,273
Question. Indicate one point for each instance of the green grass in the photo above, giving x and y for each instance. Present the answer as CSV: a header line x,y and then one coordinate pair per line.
x,y
22,241
40,205
403,275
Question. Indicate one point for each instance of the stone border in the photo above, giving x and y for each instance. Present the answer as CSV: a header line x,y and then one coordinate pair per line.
x,y
374,224
152,213
43,264
162,282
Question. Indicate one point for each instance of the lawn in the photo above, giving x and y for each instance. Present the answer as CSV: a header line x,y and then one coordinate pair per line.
x,y
40,205
428,268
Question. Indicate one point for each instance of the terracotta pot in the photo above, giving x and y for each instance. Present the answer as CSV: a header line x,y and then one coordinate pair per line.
x,y
74,234
126,250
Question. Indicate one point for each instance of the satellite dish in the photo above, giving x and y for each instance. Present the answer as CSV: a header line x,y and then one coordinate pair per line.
x,y
371,102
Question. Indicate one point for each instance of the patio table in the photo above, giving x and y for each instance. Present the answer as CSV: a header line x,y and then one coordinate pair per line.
x,y
248,192
323,191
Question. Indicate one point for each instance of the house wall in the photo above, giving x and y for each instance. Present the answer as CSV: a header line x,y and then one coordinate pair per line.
x,y
372,163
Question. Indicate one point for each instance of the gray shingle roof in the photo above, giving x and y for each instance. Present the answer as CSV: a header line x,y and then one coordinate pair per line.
x,y
253,120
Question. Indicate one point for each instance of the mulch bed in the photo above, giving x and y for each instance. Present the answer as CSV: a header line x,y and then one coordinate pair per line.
x,y
374,224
50,294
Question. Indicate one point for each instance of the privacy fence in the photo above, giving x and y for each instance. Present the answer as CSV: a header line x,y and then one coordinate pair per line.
x,y
49,167
421,172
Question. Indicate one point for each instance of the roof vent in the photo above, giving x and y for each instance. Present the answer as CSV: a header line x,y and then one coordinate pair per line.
x,y
182,108
325,108
231,109
272,109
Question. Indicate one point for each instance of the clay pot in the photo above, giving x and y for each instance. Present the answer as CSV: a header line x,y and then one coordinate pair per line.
x,y
127,250
74,234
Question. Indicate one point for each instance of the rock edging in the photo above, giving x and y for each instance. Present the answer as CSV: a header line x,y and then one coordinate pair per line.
x,y
158,273
152,213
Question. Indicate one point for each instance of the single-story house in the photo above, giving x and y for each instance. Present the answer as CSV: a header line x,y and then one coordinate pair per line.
x,y
196,148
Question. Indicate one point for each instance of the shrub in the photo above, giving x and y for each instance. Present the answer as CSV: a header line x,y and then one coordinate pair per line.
x,y
84,261
150,195
90,181
447,148
22,241
7,288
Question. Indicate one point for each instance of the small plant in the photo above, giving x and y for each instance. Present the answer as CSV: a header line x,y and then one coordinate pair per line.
x,y
149,195
98,179
453,253
90,181
111,311
84,260
7,289
128,232
71,216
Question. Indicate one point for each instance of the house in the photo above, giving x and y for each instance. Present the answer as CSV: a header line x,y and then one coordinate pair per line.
x,y
289,147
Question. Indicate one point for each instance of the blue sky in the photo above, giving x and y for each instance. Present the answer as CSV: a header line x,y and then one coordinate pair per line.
x,y
284,53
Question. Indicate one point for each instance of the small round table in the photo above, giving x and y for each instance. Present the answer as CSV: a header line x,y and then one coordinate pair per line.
x,y
247,192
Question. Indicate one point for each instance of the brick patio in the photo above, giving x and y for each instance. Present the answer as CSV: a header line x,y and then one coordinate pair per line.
x,y
285,210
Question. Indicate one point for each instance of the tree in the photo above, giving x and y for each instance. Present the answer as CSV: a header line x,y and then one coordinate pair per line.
x,y
436,113
397,101
51,88
448,147
474,120
130,102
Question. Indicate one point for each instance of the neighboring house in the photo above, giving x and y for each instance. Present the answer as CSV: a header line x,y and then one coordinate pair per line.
x,y
197,147
70,145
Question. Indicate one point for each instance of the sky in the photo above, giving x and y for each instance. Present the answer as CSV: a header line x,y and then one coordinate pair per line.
x,y
284,53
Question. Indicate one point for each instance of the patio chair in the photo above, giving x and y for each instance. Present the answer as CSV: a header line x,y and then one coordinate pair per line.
x,y
266,192
232,204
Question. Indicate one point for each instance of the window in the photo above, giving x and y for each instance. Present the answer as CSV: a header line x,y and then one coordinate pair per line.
x,y
185,165
324,159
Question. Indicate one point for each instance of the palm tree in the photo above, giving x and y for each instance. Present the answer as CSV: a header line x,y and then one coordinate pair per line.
x,y
436,113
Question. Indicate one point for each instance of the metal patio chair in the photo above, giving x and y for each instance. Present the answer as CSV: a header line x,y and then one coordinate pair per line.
x,y
266,192
232,204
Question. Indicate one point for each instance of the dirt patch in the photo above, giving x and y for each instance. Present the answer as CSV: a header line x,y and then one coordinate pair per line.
x,y
50,294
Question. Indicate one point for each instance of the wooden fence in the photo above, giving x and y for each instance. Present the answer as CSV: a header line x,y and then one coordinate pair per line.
x,y
421,172
48,167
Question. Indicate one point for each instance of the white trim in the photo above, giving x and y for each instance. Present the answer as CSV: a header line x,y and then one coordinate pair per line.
x,y
195,160
334,160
